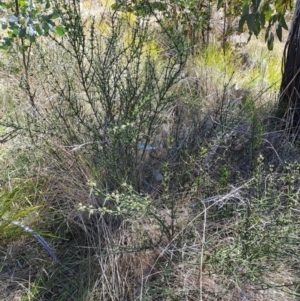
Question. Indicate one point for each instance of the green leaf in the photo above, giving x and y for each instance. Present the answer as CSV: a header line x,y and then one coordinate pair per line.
x,y
47,27
32,39
22,3
51,23
39,29
267,34
22,33
54,15
115,6
245,9
262,20
220,4
251,22
48,17
6,43
242,22
270,41
280,6
274,19
60,30
279,31
15,32
159,6
257,29
282,22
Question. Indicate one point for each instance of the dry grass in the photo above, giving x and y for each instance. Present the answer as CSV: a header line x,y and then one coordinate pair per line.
x,y
190,244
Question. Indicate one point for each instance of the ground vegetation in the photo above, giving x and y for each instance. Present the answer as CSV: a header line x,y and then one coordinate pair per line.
x,y
143,159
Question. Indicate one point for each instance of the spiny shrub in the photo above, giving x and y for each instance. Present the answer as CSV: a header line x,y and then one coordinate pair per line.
x,y
104,92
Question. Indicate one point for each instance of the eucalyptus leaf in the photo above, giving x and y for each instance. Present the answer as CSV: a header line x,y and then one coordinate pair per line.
x,y
270,41
279,31
246,9
262,20
220,3
282,22
242,22
251,22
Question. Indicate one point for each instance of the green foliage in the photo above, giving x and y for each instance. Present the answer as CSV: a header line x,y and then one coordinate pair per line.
x,y
112,87
125,203
259,15
256,132
28,20
129,204
14,205
224,178
265,230
190,17
103,98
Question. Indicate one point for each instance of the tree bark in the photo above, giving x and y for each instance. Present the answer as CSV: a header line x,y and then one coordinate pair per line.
x,y
289,101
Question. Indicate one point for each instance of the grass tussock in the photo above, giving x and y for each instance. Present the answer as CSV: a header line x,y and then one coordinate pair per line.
x,y
151,174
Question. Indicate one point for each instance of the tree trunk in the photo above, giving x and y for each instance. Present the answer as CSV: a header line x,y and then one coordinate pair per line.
x,y
289,102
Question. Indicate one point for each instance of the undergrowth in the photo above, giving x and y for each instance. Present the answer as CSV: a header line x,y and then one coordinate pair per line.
x,y
150,172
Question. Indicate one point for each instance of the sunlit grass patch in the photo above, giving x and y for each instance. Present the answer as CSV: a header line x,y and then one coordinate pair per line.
x,y
264,67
